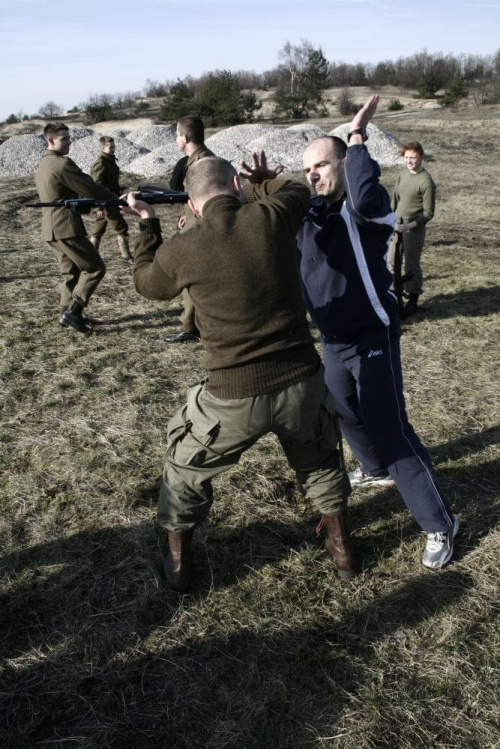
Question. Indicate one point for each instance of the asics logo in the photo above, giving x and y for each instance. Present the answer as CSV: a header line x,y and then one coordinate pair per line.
x,y
378,352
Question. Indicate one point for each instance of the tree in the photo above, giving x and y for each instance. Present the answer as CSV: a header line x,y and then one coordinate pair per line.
x,y
219,101
50,110
12,119
303,78
455,91
428,86
178,102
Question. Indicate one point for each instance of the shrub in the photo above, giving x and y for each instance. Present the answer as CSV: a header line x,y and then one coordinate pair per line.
x,y
395,105
346,104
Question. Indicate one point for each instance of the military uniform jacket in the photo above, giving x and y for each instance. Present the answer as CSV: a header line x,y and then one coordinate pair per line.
x,y
58,178
106,172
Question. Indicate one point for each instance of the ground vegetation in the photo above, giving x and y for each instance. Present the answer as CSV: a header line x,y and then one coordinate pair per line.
x,y
270,649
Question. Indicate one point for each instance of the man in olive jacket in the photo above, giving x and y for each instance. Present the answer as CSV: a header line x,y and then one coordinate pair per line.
x,y
105,171
264,373
190,139
58,178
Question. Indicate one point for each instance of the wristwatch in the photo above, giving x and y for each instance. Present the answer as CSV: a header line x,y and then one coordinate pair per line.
x,y
358,131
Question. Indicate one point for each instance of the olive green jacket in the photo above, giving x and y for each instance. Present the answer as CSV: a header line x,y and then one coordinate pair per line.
x,y
58,178
240,267
106,172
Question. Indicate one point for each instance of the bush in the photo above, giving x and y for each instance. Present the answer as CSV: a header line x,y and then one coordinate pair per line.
x,y
12,119
395,105
97,113
346,104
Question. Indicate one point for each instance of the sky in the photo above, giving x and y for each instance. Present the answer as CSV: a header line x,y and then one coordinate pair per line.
x,y
65,51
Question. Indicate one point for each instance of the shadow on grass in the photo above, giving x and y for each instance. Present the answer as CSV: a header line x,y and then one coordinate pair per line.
x,y
467,444
474,303
10,279
109,672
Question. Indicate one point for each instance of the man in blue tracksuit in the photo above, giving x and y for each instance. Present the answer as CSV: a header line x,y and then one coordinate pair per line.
x,y
342,245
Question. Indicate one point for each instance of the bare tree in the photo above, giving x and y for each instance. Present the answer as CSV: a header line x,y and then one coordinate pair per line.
x,y
50,109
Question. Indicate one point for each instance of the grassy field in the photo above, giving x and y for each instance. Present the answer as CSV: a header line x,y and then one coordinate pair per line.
x,y
271,649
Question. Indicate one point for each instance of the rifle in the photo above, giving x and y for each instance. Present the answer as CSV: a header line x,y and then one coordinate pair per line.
x,y
400,280
153,196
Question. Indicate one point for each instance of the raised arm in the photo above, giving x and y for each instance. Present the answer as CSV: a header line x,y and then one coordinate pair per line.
x,y
367,199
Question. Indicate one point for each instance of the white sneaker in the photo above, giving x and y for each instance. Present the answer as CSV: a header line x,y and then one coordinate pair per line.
x,y
358,478
439,547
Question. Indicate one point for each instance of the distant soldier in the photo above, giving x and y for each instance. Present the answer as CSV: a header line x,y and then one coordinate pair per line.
x,y
106,172
413,201
191,142
58,178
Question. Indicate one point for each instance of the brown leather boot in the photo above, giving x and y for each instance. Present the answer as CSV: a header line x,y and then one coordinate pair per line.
x,y
338,544
177,560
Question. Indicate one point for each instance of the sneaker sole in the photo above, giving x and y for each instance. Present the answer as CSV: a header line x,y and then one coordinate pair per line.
x,y
373,482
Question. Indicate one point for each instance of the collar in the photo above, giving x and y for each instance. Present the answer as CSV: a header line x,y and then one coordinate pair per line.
x,y
220,201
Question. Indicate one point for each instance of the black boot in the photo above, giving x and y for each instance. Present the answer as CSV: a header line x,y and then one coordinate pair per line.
x,y
72,317
411,305
338,544
177,560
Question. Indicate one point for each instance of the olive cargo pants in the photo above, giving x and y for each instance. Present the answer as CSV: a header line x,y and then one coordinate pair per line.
x,y
81,266
208,436
413,244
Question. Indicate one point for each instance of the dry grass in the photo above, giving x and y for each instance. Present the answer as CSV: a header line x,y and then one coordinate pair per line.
x,y
272,650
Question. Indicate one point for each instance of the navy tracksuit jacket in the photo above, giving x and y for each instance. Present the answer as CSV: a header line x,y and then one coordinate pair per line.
x,y
342,248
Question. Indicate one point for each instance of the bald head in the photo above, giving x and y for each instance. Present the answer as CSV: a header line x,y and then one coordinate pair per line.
x,y
324,166
209,177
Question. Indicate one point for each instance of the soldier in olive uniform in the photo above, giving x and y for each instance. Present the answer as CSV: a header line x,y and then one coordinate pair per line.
x,y
191,142
58,178
106,172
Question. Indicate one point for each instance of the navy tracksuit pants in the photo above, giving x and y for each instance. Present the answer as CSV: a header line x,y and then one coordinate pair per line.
x,y
368,390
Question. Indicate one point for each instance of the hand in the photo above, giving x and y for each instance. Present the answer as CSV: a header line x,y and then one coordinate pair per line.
x,y
137,207
260,170
363,117
402,228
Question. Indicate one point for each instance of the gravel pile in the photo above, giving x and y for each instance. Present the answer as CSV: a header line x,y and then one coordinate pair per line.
x,y
157,162
116,133
152,137
21,155
383,146
230,143
285,146
311,131
86,150
152,151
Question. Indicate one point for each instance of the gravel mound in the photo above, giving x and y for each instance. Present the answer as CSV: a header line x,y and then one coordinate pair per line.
x,y
230,143
80,132
157,162
151,151
86,150
21,155
285,146
311,131
152,137
383,146
116,133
